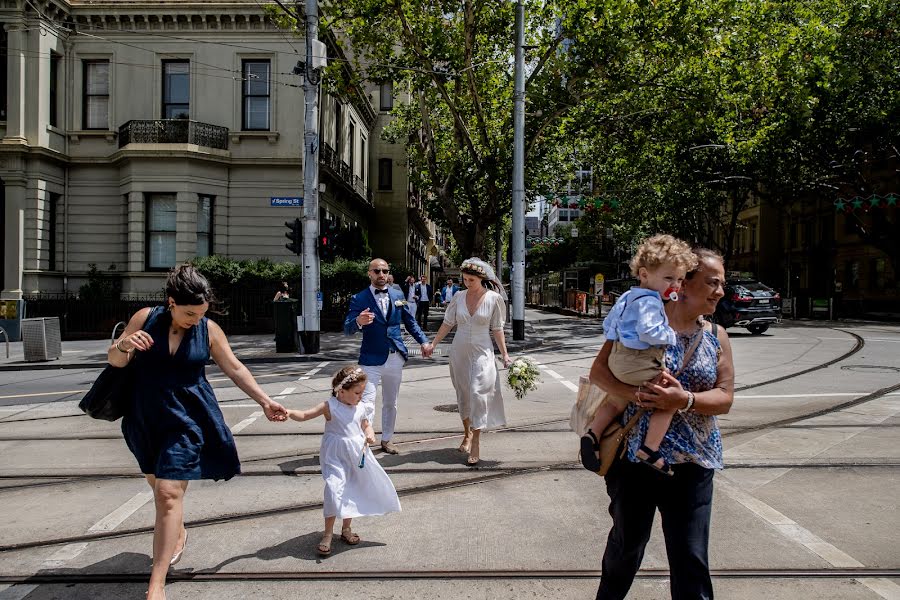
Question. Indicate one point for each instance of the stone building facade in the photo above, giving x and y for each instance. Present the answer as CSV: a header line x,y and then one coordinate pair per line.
x,y
139,134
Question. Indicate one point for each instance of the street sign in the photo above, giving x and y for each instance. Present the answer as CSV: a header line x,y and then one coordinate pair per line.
x,y
319,300
598,283
573,231
287,201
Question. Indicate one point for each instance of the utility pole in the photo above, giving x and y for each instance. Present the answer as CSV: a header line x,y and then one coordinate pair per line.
x,y
518,182
315,57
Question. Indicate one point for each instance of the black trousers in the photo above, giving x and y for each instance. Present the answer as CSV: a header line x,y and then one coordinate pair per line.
x,y
684,501
422,314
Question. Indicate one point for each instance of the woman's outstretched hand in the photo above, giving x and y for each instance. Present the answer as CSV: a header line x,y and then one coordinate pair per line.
x,y
666,395
274,411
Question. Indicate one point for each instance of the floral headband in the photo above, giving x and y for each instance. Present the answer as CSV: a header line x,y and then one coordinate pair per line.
x,y
476,269
351,377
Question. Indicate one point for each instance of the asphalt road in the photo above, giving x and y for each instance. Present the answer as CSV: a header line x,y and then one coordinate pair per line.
x,y
806,508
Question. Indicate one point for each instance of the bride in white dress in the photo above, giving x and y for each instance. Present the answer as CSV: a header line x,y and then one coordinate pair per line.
x,y
477,312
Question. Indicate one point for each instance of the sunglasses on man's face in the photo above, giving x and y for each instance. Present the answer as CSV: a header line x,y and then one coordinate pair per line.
x,y
384,271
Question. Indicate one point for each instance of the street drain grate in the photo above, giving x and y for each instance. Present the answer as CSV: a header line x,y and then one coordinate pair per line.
x,y
870,368
451,408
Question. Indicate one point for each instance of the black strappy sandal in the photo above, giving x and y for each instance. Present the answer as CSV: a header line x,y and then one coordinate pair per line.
x,y
652,457
590,445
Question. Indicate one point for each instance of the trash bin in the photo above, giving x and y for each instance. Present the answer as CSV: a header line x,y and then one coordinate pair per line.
x,y
11,314
41,339
286,325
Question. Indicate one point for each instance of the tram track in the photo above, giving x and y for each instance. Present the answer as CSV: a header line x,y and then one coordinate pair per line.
x,y
435,574
484,475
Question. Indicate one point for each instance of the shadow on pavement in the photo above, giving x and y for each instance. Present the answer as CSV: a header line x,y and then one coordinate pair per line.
x,y
301,547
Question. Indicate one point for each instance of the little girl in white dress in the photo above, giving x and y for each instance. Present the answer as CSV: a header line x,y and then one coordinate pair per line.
x,y
355,484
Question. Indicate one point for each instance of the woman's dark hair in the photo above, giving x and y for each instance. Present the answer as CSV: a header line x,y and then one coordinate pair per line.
x,y
703,254
187,286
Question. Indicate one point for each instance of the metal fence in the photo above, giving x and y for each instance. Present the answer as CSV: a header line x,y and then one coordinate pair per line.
x,y
238,311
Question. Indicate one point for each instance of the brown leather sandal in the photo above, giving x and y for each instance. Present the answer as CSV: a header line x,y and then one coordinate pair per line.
x,y
324,547
349,537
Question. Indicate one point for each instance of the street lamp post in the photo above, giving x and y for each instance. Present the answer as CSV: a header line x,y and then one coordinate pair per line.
x,y
518,182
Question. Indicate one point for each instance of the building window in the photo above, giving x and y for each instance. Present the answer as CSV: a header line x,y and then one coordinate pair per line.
x,y
352,147
364,161
877,274
4,44
385,174
96,95
338,127
52,207
176,89
256,98
753,237
54,89
161,210
205,215
386,95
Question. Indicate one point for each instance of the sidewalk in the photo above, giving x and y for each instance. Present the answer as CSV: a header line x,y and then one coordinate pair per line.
x,y
250,349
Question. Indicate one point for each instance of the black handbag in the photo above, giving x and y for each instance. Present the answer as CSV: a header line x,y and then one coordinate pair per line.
x,y
110,397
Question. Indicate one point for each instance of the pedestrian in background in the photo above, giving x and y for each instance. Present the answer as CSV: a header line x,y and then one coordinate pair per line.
x,y
448,291
478,312
355,484
283,293
175,428
410,294
423,291
392,285
692,445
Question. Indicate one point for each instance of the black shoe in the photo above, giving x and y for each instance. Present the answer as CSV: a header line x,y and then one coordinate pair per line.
x,y
589,448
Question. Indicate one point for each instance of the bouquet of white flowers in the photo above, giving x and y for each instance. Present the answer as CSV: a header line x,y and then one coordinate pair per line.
x,y
522,376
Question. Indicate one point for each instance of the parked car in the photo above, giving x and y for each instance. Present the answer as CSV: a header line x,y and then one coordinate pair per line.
x,y
749,304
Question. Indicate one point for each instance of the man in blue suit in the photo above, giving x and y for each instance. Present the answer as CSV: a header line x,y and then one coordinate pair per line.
x,y
377,311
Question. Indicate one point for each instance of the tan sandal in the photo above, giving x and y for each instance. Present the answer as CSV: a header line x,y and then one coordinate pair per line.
x,y
324,547
349,537
466,445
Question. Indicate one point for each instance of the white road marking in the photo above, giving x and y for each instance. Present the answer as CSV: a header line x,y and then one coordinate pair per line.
x,y
553,374
247,422
791,530
569,385
118,516
64,555
312,372
287,391
36,394
17,592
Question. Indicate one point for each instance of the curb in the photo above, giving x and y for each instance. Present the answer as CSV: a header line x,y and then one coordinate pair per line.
x,y
528,344
50,366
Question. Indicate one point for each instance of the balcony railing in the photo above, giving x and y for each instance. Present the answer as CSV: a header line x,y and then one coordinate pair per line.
x,y
173,131
342,171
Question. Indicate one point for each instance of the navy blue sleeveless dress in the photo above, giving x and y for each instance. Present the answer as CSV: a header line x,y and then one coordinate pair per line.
x,y
175,428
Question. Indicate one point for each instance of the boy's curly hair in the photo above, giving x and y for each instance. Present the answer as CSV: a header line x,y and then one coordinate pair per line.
x,y
662,249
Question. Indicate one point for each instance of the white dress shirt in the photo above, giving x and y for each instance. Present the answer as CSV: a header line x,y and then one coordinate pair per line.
x,y
382,300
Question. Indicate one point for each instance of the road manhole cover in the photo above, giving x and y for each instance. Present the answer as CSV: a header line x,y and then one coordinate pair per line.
x,y
871,368
447,408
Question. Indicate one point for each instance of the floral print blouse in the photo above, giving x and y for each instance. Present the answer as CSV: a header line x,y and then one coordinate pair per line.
x,y
692,438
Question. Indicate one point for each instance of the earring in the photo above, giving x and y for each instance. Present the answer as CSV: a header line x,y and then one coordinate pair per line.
x,y
171,306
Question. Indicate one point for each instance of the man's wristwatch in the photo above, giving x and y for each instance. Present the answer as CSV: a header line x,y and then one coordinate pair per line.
x,y
690,403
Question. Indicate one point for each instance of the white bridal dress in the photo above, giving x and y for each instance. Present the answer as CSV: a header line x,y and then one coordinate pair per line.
x,y
473,368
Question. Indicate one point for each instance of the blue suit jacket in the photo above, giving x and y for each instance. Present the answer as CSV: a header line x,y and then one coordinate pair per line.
x,y
383,334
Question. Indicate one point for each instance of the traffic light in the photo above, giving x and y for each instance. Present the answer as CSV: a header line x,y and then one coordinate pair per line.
x,y
326,242
295,234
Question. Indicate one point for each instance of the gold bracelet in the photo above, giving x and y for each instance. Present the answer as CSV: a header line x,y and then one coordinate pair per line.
x,y
119,348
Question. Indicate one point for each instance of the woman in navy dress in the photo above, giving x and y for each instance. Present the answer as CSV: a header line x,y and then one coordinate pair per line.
x,y
175,428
